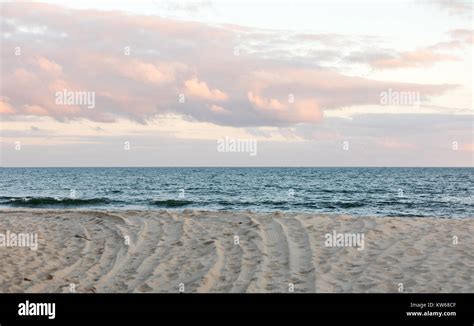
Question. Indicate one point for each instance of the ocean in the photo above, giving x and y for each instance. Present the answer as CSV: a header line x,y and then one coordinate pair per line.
x,y
436,192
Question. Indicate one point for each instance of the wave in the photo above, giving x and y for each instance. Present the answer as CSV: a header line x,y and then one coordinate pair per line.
x,y
171,203
343,204
271,203
114,191
51,201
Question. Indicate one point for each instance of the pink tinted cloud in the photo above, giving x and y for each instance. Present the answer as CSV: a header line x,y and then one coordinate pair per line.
x,y
195,87
83,50
467,147
5,108
260,102
306,109
49,66
141,71
428,56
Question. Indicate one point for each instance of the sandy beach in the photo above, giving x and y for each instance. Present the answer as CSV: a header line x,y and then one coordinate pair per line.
x,y
199,251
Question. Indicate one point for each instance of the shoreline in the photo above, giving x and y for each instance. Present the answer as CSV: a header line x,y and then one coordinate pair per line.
x,y
168,251
192,210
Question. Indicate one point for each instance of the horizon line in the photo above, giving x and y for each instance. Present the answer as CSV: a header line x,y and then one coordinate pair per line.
x,y
250,167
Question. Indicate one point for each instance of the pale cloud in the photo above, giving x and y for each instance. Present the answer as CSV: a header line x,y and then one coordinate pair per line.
x,y
428,56
457,7
424,57
464,35
410,59
389,143
35,110
460,38
302,145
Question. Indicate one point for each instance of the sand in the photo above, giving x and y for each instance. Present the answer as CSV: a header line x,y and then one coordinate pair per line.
x,y
198,251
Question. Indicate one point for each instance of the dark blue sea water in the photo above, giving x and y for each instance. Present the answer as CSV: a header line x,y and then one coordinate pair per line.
x,y
443,192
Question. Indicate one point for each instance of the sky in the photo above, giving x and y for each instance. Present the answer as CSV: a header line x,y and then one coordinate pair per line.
x,y
310,83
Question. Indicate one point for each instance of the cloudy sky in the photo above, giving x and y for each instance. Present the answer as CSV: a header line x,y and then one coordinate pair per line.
x,y
314,83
